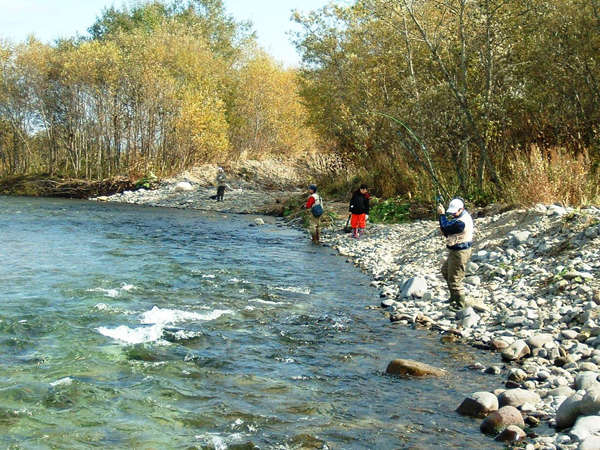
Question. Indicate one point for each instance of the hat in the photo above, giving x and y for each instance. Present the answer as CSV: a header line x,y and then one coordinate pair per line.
x,y
455,205
313,188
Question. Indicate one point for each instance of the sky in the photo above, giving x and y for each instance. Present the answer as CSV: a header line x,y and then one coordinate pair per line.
x,y
48,20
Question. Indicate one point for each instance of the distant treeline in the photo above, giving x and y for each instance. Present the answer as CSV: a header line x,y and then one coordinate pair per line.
x,y
486,98
156,87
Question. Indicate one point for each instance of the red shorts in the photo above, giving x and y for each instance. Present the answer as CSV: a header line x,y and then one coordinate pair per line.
x,y
358,221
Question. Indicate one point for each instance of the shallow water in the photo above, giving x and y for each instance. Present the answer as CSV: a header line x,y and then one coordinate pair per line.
x,y
124,326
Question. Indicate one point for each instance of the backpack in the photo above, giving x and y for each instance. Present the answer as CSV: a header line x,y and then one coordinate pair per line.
x,y
317,208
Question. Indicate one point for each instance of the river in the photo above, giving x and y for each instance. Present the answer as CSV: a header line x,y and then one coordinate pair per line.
x,y
133,327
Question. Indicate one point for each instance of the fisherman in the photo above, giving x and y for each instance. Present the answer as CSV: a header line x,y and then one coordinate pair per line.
x,y
459,240
314,205
221,183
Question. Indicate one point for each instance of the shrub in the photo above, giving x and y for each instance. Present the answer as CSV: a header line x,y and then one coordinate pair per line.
x,y
392,210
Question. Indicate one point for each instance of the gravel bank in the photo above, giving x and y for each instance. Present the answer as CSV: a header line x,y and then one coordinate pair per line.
x,y
536,272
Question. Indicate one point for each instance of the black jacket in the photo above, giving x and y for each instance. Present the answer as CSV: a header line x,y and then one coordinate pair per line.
x,y
359,203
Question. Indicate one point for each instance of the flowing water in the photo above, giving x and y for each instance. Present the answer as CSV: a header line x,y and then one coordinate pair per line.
x,y
132,327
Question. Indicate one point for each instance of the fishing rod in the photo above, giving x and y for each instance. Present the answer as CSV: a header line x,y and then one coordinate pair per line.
x,y
428,166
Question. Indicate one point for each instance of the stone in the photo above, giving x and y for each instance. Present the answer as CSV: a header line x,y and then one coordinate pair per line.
x,y
259,221
497,421
183,186
586,380
585,427
555,210
568,411
511,433
539,340
569,334
561,391
499,344
414,287
388,302
413,368
515,351
473,280
518,397
517,375
520,237
493,370
591,443
480,404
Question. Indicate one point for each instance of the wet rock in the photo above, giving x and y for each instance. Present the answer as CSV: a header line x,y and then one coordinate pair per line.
x,y
479,405
497,421
493,370
517,375
388,302
512,433
259,221
515,351
413,368
585,427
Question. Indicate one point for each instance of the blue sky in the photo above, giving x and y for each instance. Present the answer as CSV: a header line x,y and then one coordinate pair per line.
x,y
51,19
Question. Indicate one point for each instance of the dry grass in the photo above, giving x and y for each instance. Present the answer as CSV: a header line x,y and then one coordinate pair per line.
x,y
551,176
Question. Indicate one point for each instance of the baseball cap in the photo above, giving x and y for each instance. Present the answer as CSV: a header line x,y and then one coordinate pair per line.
x,y
455,205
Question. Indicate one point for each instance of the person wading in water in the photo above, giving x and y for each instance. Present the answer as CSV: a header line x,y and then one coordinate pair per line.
x,y
314,205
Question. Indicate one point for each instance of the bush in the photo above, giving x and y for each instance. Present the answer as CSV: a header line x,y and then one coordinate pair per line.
x,y
392,210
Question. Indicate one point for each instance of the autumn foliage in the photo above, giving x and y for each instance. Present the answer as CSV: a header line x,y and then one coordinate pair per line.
x,y
158,87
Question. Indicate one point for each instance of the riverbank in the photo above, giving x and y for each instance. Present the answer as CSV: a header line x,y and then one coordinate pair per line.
x,y
534,271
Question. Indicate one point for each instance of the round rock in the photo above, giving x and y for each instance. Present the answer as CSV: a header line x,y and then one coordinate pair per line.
x,y
497,421
480,404
518,397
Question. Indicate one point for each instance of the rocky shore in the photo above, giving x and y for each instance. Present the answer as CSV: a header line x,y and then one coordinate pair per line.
x,y
534,282
534,276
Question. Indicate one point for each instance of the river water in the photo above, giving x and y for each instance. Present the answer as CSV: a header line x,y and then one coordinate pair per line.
x,y
132,327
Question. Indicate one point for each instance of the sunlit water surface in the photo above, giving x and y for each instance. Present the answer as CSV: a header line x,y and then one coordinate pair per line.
x,y
131,327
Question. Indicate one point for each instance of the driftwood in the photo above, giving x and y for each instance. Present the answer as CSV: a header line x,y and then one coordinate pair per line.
x,y
40,186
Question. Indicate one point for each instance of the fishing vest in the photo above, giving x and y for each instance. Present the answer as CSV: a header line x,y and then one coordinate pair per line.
x,y
466,236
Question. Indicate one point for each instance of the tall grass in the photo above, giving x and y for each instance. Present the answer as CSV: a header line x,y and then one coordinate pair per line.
x,y
552,175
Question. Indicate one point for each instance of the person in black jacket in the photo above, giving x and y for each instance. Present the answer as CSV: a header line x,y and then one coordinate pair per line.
x,y
359,210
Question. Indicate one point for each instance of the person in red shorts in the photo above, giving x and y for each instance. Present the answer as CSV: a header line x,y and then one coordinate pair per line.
x,y
359,209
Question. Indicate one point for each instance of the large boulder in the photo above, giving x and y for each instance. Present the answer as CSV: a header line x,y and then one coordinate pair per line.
x,y
518,397
517,350
479,405
501,419
585,427
413,368
413,287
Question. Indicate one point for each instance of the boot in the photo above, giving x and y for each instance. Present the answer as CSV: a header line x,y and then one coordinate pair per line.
x,y
355,233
